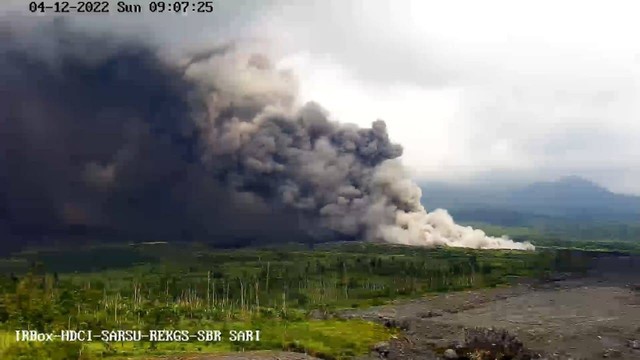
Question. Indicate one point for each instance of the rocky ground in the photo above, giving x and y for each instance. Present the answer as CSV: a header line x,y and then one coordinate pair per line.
x,y
253,355
591,317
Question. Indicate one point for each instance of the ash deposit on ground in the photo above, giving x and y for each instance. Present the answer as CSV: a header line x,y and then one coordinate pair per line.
x,y
117,139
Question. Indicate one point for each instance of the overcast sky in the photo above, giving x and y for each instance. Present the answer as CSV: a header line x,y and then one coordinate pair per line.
x,y
500,90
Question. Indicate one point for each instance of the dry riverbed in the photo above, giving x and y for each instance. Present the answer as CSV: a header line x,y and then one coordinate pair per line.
x,y
589,318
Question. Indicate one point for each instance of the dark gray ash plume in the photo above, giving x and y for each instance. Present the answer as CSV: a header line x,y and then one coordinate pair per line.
x,y
114,138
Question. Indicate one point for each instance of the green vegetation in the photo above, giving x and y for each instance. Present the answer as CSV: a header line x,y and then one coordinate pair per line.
x,y
286,292
330,339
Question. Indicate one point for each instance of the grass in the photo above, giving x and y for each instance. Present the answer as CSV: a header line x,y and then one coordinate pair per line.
x,y
328,339
6,339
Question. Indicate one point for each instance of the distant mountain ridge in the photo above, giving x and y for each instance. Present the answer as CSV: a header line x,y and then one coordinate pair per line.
x,y
570,198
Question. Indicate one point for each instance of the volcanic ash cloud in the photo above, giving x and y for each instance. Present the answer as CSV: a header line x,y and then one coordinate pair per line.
x,y
120,141
345,180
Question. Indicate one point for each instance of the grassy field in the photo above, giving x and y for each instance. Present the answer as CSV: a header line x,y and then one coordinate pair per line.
x,y
287,292
331,339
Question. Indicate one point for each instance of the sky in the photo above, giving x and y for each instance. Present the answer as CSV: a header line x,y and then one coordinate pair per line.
x,y
499,91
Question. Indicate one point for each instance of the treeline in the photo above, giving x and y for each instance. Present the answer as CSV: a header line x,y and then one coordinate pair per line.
x,y
193,287
244,284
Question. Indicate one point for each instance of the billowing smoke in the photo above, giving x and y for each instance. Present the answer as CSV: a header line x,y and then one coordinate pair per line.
x,y
104,136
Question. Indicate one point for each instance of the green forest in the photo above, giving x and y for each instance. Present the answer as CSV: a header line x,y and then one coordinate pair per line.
x,y
288,292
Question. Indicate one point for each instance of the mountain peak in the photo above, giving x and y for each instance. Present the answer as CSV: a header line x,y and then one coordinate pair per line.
x,y
566,187
577,180
571,197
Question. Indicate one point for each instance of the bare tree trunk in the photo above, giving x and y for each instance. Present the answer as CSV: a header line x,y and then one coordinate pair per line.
x,y
208,293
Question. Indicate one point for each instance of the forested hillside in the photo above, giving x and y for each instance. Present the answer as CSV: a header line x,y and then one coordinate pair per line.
x,y
571,208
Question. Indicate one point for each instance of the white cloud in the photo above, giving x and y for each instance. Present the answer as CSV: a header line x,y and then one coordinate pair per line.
x,y
541,89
